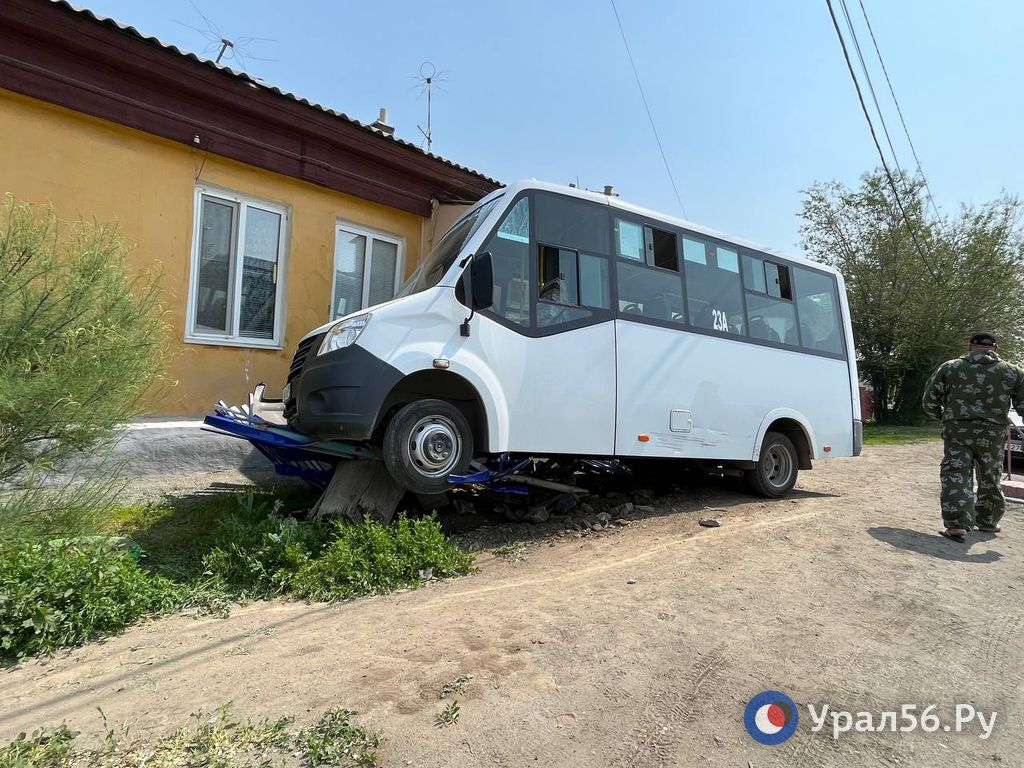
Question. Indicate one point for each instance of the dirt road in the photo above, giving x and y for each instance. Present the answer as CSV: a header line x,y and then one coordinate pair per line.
x,y
843,596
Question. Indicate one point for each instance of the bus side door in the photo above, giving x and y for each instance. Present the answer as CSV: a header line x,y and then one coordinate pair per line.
x,y
550,341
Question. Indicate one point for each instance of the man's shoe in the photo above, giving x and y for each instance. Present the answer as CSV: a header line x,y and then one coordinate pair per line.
x,y
989,527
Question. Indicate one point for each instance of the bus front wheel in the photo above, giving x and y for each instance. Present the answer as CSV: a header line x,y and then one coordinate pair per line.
x,y
426,441
775,473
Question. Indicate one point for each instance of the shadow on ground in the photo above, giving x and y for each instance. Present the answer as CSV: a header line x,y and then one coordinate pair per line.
x,y
934,545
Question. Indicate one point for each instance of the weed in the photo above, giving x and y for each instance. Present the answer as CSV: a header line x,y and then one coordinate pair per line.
x,y
334,740
57,594
447,716
204,557
458,685
44,748
512,550
371,558
223,739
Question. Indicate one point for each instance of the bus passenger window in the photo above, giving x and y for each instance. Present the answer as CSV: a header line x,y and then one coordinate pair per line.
x,y
713,288
753,274
629,240
818,304
509,249
649,293
595,287
772,319
661,249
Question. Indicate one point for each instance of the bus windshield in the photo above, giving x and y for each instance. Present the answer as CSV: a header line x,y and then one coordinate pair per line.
x,y
443,255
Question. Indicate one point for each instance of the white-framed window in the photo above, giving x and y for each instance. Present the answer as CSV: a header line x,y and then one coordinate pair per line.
x,y
367,268
236,285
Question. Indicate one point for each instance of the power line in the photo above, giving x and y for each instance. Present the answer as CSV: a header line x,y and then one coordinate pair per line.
x,y
878,146
899,111
871,85
650,117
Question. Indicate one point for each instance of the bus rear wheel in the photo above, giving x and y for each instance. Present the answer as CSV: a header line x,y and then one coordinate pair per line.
x,y
426,441
775,473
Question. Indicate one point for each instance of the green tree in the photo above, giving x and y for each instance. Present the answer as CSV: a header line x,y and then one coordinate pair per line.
x,y
81,338
913,304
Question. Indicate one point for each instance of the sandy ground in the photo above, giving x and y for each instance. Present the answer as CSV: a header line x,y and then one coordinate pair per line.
x,y
843,595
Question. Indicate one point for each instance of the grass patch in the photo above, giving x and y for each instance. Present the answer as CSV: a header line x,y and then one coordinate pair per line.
x,y
206,556
224,739
885,434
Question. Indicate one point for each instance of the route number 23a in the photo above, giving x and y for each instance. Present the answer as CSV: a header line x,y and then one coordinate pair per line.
x,y
721,322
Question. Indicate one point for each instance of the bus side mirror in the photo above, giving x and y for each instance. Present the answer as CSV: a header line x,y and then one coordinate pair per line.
x,y
482,281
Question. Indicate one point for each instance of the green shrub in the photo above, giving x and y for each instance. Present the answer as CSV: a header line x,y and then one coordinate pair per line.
x,y
59,594
257,551
372,558
81,337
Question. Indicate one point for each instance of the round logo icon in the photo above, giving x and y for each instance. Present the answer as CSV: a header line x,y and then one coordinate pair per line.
x,y
770,717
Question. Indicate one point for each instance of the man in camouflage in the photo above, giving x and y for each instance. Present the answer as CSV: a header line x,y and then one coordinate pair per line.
x,y
972,396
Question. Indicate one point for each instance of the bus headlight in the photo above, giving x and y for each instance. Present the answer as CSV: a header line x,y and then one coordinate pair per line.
x,y
343,334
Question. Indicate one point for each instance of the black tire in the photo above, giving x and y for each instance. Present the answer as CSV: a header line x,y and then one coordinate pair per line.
x,y
426,441
777,468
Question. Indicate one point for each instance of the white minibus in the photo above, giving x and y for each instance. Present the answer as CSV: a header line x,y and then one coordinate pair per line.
x,y
553,321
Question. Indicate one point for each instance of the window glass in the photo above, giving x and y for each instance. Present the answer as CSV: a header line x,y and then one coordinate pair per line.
x,y
383,267
694,250
727,259
629,240
572,223
349,264
259,273
213,289
443,254
771,319
753,274
649,293
516,226
595,286
366,266
714,291
818,305
566,280
661,249
510,249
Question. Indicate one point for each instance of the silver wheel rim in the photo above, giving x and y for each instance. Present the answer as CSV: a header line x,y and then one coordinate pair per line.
x,y
778,466
434,446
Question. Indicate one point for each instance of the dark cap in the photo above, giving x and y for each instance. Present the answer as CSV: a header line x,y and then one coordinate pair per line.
x,y
984,339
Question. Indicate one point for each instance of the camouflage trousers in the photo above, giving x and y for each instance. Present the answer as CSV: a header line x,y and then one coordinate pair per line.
x,y
972,449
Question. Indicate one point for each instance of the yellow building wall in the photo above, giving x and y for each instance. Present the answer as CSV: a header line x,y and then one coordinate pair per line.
x,y
93,169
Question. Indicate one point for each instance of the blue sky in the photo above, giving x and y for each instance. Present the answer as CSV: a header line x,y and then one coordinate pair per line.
x,y
752,99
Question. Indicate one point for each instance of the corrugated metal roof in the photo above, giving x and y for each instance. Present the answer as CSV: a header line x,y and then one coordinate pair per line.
x,y
242,76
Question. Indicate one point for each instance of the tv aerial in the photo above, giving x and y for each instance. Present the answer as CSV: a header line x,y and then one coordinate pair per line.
x,y
428,79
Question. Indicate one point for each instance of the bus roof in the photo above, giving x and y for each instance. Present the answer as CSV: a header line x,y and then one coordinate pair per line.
x,y
616,202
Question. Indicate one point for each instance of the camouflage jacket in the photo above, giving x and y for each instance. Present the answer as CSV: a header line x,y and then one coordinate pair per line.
x,y
976,387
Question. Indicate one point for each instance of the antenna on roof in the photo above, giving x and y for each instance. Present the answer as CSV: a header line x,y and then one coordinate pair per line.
x,y
427,81
232,49
224,45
